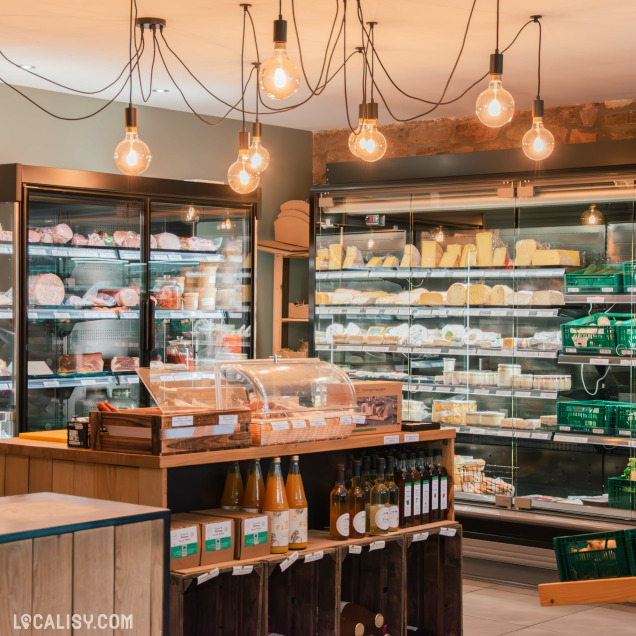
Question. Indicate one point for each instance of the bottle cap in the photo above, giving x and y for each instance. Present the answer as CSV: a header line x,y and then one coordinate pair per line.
x,y
276,460
294,457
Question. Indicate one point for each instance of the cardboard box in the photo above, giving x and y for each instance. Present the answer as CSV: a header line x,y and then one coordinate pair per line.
x,y
252,536
298,311
380,403
217,537
185,544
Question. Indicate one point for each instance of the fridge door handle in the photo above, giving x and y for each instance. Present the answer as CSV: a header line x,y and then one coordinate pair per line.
x,y
150,324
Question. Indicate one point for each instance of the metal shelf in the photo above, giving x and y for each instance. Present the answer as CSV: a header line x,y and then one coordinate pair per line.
x,y
600,299
74,314
55,382
76,251
480,390
373,312
175,314
436,272
185,255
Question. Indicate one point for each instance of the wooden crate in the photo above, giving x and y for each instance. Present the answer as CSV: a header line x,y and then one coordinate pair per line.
x,y
228,604
151,432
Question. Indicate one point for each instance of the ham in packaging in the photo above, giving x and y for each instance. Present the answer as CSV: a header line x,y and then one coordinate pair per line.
x,y
46,289
80,363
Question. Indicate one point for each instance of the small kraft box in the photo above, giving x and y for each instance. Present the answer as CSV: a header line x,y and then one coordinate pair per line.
x,y
252,536
379,407
217,536
298,311
78,433
185,544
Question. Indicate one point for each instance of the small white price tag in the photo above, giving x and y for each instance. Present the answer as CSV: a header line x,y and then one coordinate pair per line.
x,y
448,532
570,439
240,570
502,392
207,576
317,422
411,437
183,420
228,420
600,361
288,561
595,299
314,556
547,394
88,382
345,420
299,424
359,420
373,312
420,536
61,315
523,393
391,439
377,545
50,383
628,362
355,549
541,435
474,430
280,425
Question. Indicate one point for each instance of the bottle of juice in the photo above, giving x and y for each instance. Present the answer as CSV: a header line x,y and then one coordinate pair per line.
x,y
357,513
233,490
254,488
297,507
275,506
339,507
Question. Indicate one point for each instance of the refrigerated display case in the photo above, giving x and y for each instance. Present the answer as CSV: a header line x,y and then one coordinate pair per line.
x,y
115,273
470,290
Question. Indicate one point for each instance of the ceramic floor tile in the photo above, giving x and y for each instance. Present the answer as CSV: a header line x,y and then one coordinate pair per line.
x,y
468,588
592,622
478,583
533,630
622,608
475,626
513,589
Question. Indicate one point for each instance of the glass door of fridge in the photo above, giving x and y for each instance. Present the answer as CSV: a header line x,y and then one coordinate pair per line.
x,y
201,277
81,314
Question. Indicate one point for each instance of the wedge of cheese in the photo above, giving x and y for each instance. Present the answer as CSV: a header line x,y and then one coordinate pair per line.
x,y
343,298
524,251
469,256
500,257
416,295
484,249
411,257
375,261
498,295
391,261
353,258
547,298
433,298
479,294
457,294
336,256
322,258
322,298
403,298
432,253
556,257
519,298
451,256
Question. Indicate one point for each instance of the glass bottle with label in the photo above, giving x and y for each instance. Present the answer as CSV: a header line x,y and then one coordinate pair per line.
x,y
426,487
405,487
379,502
297,507
443,485
349,470
275,506
339,507
232,497
357,511
394,496
366,485
434,488
416,480
254,488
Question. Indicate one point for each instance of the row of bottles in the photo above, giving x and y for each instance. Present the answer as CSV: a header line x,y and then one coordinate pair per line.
x,y
384,495
357,620
284,503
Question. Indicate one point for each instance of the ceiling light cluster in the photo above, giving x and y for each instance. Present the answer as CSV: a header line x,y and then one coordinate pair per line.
x,y
279,78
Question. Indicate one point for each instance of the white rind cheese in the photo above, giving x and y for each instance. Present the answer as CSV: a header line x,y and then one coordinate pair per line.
x,y
457,294
411,257
498,295
547,298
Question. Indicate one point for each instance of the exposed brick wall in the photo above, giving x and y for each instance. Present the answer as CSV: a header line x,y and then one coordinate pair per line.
x,y
569,124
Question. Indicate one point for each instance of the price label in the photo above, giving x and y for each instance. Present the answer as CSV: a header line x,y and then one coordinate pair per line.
x,y
571,439
523,393
373,312
502,392
314,556
411,437
602,361
573,289
377,545
474,430
212,574
317,422
355,549
280,425
299,424
541,435
345,420
359,420
420,536
627,362
50,383
88,382
61,315
607,289
391,439
240,570
57,251
481,391
632,443
505,433
548,394
183,420
595,299
354,310
448,532
288,561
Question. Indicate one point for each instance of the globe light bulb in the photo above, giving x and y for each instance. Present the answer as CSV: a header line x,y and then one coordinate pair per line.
x,y
495,106
439,236
279,76
353,137
239,177
592,216
258,156
370,143
132,156
538,142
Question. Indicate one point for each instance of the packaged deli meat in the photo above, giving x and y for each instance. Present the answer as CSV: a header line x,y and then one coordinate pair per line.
x,y
46,234
128,297
153,242
81,363
121,235
34,237
95,240
46,289
6,235
167,241
62,233
78,239
123,363
132,241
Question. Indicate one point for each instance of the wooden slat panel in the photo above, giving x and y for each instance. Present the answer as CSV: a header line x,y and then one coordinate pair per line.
x,y
157,577
62,477
3,462
40,475
89,480
588,592
52,578
126,484
133,575
94,574
15,583
16,475
153,487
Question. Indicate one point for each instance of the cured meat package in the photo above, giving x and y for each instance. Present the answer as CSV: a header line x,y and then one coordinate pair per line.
x,y
46,289
80,363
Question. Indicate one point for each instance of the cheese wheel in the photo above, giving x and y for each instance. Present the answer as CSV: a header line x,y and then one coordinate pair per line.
x,y
432,298
519,298
336,255
457,294
322,298
484,249
500,257
411,257
391,261
353,258
469,256
479,294
376,261
432,253
322,258
547,298
416,295
498,295
525,249
556,257
451,256
403,298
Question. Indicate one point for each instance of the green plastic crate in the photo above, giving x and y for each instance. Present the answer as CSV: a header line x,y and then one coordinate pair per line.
x,y
622,418
626,336
622,494
576,338
579,283
628,276
592,417
608,563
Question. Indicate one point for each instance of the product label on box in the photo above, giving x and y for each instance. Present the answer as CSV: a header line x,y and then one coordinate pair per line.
x,y
218,536
417,498
183,420
279,526
360,522
183,542
297,526
408,492
394,517
435,493
443,493
426,497
227,420
255,530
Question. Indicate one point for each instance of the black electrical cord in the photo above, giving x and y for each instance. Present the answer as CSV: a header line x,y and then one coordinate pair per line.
x,y
152,65
344,43
497,46
539,60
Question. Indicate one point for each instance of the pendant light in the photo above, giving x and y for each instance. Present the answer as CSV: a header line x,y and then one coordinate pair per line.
x,y
495,106
239,177
132,156
258,155
538,142
279,76
439,235
592,216
354,135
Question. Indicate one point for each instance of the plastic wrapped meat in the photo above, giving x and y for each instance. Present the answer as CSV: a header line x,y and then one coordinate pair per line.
x,y
132,241
123,363
78,239
127,297
153,242
95,240
34,237
46,289
167,241
46,234
62,233
6,235
81,363
121,235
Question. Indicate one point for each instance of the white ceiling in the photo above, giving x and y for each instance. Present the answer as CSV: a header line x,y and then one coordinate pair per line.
x,y
588,50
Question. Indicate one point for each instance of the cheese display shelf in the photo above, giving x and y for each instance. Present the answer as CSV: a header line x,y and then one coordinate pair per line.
x,y
462,289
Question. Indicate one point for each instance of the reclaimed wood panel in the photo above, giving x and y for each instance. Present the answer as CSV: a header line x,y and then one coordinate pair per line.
x,y
133,575
52,578
157,575
153,487
62,476
40,474
16,475
16,576
94,578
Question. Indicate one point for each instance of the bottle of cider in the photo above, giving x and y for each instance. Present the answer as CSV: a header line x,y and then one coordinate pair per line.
x,y
297,507
233,491
275,506
339,507
254,488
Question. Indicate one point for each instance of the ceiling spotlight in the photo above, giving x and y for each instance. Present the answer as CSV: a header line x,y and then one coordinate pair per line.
x,y
132,156
27,67
160,90
592,216
439,235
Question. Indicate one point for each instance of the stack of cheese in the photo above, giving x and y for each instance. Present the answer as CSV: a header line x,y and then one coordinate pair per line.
x,y
530,252
336,256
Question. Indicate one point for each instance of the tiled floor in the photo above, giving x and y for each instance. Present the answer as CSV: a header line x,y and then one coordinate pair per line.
x,y
495,610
